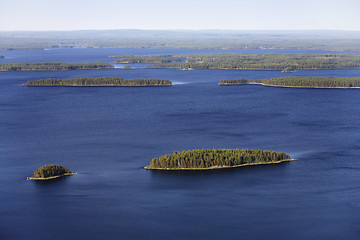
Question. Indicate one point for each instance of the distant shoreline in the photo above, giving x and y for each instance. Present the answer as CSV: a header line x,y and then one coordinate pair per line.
x,y
219,167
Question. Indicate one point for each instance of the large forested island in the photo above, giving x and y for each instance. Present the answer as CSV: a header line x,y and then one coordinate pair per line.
x,y
286,62
148,60
52,66
50,171
205,159
98,82
301,82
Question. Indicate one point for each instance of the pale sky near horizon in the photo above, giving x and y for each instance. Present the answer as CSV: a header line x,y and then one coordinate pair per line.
x,y
183,14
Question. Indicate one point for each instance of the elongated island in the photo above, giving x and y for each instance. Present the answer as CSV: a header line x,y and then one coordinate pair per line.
x,y
97,82
206,159
286,62
50,171
149,60
52,66
299,82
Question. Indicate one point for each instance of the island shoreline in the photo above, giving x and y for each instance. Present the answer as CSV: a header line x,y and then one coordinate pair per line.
x,y
219,167
268,85
50,178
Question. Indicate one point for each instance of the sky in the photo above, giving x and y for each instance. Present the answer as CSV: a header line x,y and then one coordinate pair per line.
x,y
180,14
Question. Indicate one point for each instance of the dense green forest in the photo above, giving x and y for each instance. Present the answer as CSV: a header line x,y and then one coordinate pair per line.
x,y
267,61
148,60
216,158
99,81
51,66
305,82
50,171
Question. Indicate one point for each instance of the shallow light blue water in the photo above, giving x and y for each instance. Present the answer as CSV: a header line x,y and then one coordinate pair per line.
x,y
107,134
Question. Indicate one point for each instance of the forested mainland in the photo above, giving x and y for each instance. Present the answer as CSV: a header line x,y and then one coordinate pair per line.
x,y
52,66
268,61
199,39
50,171
204,159
302,82
98,82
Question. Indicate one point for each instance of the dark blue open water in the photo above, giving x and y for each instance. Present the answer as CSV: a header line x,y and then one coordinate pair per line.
x,y
108,134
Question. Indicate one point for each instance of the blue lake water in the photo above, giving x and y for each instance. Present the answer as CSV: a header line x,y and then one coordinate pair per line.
x,y
108,134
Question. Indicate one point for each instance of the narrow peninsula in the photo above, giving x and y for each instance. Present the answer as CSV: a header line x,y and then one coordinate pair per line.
x,y
52,66
50,171
98,82
299,82
206,159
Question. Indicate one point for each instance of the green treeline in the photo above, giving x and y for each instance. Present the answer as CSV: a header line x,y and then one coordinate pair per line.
x,y
99,81
234,81
51,170
269,61
52,66
308,82
216,158
148,60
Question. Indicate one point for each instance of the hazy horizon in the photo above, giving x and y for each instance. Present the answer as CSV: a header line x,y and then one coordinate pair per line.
x,y
256,15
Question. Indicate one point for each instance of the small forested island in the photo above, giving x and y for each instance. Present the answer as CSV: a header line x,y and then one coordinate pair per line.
x,y
50,171
1,56
52,66
97,82
206,159
300,82
148,60
286,62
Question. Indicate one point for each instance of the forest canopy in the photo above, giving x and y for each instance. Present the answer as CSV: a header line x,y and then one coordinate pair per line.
x,y
301,81
52,66
199,159
99,81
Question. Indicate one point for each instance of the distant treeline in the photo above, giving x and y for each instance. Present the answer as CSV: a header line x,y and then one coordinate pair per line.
x,y
216,158
99,81
52,66
308,82
268,61
148,60
141,56
204,39
50,170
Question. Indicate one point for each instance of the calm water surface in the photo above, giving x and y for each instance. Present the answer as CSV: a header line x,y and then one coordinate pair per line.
x,y
108,134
